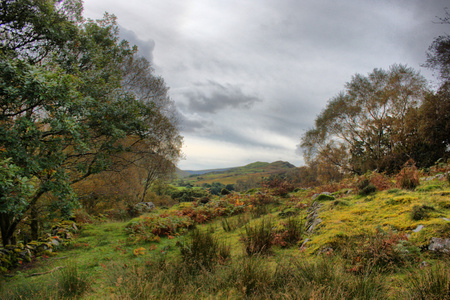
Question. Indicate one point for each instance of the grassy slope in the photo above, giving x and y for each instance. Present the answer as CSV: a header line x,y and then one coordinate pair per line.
x,y
255,170
103,252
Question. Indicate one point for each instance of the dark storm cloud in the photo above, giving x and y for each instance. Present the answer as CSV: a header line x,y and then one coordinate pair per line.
x,y
211,97
145,47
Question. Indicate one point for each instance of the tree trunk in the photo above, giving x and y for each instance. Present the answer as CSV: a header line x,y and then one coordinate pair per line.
x,y
34,224
5,224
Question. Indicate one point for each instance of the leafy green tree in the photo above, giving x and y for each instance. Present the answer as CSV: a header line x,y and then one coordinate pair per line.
x,y
66,110
362,127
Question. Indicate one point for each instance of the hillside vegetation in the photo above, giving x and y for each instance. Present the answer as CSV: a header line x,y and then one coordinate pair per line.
x,y
253,171
365,237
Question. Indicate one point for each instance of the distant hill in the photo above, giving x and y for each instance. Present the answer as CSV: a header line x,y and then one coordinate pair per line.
x,y
232,175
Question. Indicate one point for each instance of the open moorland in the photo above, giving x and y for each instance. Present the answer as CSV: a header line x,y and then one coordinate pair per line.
x,y
367,237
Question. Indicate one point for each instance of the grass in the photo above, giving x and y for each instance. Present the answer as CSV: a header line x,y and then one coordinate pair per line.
x,y
359,251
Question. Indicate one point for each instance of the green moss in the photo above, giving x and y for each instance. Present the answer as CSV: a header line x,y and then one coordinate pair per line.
x,y
325,197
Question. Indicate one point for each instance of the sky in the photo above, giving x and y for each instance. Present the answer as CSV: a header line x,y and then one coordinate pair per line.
x,y
249,77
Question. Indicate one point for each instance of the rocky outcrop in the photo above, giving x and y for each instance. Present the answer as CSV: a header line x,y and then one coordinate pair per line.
x,y
439,245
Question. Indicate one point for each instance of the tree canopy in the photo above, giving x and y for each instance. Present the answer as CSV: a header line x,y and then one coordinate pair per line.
x,y
363,127
74,99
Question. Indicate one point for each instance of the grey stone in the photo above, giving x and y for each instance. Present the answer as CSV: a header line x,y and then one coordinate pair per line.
x,y
144,207
419,228
439,245
314,224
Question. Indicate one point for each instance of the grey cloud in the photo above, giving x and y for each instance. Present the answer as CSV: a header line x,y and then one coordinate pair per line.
x,y
145,47
212,97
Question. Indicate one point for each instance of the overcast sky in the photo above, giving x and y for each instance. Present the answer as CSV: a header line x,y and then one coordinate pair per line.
x,y
249,76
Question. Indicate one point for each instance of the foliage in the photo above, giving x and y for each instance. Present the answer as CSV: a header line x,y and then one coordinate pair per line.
x,y
361,129
70,107
383,251
203,251
277,186
408,177
291,232
365,188
259,238
421,212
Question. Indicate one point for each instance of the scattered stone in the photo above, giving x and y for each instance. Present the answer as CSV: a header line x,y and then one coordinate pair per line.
x,y
304,243
446,219
423,264
419,228
439,245
314,224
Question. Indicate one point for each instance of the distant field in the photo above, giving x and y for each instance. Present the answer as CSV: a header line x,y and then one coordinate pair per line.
x,y
257,170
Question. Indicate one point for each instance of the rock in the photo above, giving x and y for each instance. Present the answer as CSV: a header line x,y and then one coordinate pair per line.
x,y
446,219
419,228
439,245
314,224
304,243
423,264
55,242
144,207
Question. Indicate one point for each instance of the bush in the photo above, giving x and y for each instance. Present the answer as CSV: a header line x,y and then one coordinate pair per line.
x,y
258,239
382,251
203,251
291,233
420,212
365,188
408,177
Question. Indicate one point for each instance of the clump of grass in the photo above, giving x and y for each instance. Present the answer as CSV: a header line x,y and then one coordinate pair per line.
x,y
203,251
429,283
231,224
251,277
420,212
71,282
26,290
258,239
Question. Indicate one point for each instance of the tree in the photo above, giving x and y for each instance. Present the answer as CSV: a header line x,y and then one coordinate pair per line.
x,y
362,128
438,55
65,112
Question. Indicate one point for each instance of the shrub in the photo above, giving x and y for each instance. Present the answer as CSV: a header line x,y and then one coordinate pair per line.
x,y
420,212
203,251
383,251
291,233
365,188
258,239
408,177
278,187
380,181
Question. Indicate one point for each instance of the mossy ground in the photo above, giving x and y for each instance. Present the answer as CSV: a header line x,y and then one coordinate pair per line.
x,y
117,267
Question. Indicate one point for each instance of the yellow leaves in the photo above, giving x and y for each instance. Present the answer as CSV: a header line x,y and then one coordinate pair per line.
x,y
139,251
